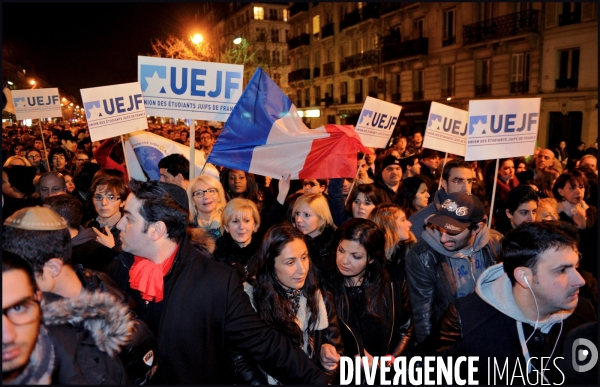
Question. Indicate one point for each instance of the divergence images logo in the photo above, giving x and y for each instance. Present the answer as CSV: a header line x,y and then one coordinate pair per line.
x,y
154,82
107,107
584,355
377,120
23,102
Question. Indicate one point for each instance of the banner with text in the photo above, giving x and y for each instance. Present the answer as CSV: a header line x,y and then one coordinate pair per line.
x,y
446,129
36,103
114,110
150,148
190,89
502,128
376,122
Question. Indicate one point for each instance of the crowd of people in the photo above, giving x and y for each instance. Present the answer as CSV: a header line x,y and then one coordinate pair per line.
x,y
249,279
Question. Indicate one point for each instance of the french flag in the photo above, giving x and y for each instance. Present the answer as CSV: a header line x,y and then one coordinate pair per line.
x,y
264,135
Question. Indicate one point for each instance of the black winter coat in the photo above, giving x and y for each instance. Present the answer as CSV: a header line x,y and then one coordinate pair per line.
x,y
204,313
227,251
321,248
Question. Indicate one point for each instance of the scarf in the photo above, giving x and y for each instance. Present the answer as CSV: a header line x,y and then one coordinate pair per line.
x,y
41,362
148,277
293,297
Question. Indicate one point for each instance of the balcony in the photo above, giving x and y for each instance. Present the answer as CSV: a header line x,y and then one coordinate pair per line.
x,y
521,87
367,58
327,31
316,72
369,11
296,8
328,69
299,75
417,95
389,7
448,93
483,90
566,84
358,97
328,100
344,98
300,40
569,18
396,97
398,50
501,27
343,66
261,37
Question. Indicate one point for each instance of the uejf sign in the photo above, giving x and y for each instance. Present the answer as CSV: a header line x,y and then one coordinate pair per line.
x,y
36,103
114,110
446,129
376,122
190,89
502,128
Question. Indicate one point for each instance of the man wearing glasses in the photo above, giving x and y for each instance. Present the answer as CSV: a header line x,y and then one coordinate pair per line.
x,y
456,177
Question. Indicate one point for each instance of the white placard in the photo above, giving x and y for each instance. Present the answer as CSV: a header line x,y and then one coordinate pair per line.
x,y
36,103
502,128
190,89
114,110
376,122
446,129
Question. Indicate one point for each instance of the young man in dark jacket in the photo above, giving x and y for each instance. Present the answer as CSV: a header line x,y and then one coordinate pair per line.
x,y
196,307
522,310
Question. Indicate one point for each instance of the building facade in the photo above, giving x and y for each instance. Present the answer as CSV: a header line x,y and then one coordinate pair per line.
x,y
413,53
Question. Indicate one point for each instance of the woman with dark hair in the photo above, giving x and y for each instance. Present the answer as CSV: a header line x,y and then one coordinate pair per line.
x,y
544,181
285,291
375,312
59,159
240,184
360,201
413,195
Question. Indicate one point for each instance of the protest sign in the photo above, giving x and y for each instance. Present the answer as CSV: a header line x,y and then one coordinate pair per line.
x,y
190,89
149,148
446,129
376,122
114,110
36,103
502,128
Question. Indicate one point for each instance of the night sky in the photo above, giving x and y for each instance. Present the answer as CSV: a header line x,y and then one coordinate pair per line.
x,y
82,45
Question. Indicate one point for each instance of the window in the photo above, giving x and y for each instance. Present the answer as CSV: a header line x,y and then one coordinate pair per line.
x,y
287,35
273,14
571,13
275,35
275,57
316,24
396,90
359,46
299,98
484,11
449,28
261,34
317,96
373,87
306,28
418,26
483,78
306,97
286,15
448,81
317,59
298,65
519,73
329,55
568,69
358,90
329,92
418,84
331,118
344,92
277,78
306,62
259,13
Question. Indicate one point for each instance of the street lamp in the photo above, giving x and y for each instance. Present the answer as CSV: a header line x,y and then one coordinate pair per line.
x,y
32,83
197,39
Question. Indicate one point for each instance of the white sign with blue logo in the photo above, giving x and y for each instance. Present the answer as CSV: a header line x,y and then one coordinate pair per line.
x,y
36,103
114,110
190,89
446,129
500,128
376,122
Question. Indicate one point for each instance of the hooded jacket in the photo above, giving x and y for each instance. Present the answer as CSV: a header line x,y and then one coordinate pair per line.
x,y
418,218
87,333
471,325
436,277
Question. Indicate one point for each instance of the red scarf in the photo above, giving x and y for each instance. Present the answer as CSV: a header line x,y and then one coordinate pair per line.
x,y
147,277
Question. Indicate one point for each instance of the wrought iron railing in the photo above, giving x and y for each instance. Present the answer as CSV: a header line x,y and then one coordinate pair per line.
x,y
521,87
369,11
405,49
449,92
569,18
299,75
328,69
482,90
570,83
316,72
296,8
327,30
499,27
417,95
367,58
300,40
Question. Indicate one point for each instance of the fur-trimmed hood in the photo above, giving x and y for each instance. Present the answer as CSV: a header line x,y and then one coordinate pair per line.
x,y
107,320
201,239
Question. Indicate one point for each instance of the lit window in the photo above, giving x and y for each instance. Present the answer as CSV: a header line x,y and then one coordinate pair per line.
x,y
259,13
286,15
316,24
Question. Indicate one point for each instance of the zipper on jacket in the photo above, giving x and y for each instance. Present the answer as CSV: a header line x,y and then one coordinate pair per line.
x,y
355,340
393,316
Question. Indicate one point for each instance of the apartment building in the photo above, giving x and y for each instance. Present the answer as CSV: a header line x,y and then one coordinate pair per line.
x,y
413,53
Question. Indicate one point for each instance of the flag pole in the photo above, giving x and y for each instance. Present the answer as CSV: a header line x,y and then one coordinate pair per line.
x,y
493,194
355,178
445,159
193,150
44,142
125,157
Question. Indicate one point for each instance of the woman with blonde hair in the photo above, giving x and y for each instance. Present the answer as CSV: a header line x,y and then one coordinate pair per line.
x,y
311,215
394,223
207,201
236,246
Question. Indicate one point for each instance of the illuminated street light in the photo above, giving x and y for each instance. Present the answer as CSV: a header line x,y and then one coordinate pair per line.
x,y
237,40
9,82
32,83
196,39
